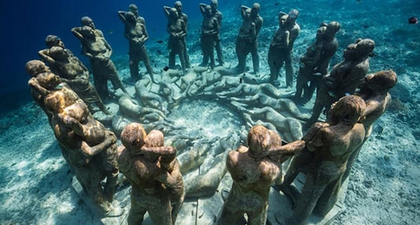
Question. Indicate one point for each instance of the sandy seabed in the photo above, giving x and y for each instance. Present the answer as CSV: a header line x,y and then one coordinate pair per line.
x,y
384,187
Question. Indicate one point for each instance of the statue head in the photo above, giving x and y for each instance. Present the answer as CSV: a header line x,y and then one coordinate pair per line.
x,y
214,4
360,49
155,138
259,140
57,52
255,9
173,13
178,6
131,18
332,28
133,8
293,15
53,40
35,67
348,109
380,81
87,21
132,137
87,32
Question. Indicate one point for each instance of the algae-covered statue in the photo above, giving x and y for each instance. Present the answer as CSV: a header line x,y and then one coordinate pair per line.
x,y
98,50
344,77
315,61
177,31
328,147
72,71
153,176
247,39
88,147
210,29
136,33
279,48
374,89
253,172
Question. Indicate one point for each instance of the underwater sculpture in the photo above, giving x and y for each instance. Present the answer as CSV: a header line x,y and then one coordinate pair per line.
x,y
210,29
253,172
315,61
88,147
177,30
136,33
247,39
42,83
374,89
72,71
281,47
344,77
328,147
97,49
150,169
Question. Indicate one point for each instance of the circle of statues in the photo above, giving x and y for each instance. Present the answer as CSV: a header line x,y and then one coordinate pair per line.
x,y
156,153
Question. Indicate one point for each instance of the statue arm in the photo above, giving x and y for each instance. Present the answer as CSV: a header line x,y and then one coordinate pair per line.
x,y
146,35
76,32
243,10
288,149
121,15
33,82
203,9
44,54
166,11
96,149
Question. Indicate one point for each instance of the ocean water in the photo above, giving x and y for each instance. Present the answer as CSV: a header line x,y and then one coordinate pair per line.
x,y
384,188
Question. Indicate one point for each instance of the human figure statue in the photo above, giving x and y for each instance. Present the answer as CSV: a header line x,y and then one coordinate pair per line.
x,y
314,63
177,31
344,77
136,33
78,118
374,89
42,82
253,172
141,166
184,17
294,30
74,73
210,29
219,16
328,147
97,49
171,175
278,50
88,147
247,40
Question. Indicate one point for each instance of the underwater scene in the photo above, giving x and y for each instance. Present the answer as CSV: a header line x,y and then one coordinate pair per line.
x,y
210,112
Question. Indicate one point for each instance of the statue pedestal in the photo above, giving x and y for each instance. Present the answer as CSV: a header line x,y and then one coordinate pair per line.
x,y
280,207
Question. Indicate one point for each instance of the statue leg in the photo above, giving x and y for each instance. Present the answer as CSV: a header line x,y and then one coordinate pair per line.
x,y
172,59
113,76
259,217
255,57
134,70
160,212
219,53
306,201
137,211
328,198
289,70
